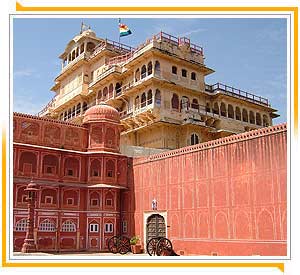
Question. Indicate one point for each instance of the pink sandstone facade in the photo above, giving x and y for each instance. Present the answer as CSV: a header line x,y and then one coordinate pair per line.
x,y
223,197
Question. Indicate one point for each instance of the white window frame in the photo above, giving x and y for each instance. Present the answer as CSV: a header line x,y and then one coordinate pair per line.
x,y
94,227
68,226
47,226
108,227
21,225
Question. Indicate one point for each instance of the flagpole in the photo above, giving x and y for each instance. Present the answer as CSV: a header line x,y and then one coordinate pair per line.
x,y
119,30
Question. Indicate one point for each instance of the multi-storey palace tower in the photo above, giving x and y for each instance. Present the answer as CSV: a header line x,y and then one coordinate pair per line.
x,y
158,88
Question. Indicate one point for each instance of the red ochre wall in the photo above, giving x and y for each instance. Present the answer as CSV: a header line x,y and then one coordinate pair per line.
x,y
223,197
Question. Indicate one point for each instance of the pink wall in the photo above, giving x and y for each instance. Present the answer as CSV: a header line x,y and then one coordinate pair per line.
x,y
226,196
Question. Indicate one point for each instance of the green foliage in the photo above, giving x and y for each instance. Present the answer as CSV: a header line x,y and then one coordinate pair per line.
x,y
134,240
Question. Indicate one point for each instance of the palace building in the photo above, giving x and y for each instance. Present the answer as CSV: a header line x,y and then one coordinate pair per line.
x,y
220,184
158,88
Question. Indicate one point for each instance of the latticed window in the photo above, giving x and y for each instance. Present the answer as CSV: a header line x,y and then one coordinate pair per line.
x,y
47,226
21,225
68,226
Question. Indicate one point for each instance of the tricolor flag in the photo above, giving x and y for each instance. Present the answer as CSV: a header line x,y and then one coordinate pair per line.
x,y
124,30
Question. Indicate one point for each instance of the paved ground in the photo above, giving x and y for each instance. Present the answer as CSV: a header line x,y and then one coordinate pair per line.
x,y
77,254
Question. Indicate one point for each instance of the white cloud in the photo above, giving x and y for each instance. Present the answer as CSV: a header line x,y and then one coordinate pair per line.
x,y
192,31
27,104
23,73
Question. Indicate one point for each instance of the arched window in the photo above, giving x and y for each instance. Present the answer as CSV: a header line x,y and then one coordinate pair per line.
x,y
50,164
207,107
90,46
251,117
82,48
216,108
73,111
143,100
21,195
258,119
68,226
65,115
223,109
28,163
195,104
71,167
84,106
110,137
230,111
143,72
105,93
149,97
237,113
175,102
61,116
78,108
185,103
118,88
21,225
95,168
110,169
47,226
149,68
184,73
137,75
157,97
245,115
137,102
194,139
157,68
110,90
174,70
109,199
69,113
193,76
265,121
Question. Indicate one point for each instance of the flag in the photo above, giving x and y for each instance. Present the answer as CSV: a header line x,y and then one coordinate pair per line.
x,y
124,30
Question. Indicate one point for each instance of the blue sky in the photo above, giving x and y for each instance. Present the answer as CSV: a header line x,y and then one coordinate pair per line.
x,y
249,54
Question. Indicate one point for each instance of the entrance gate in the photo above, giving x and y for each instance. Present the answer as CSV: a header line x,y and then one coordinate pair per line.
x,y
156,227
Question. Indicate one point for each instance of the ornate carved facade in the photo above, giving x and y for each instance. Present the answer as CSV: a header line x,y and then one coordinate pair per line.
x,y
158,88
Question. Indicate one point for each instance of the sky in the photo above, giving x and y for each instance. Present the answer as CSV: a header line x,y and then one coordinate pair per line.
x,y
247,53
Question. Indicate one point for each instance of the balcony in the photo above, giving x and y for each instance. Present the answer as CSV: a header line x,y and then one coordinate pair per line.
x,y
69,97
82,56
109,71
231,91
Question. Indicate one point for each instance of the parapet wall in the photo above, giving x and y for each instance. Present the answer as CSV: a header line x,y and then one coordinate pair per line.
x,y
223,197
29,129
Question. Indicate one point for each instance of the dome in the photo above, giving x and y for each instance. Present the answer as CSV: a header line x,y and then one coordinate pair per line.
x,y
102,111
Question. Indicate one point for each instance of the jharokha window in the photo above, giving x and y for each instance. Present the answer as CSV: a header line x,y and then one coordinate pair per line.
x,y
110,169
21,225
68,226
47,226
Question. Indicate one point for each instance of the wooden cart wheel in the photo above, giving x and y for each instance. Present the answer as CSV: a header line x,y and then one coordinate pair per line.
x,y
124,245
151,246
113,244
164,247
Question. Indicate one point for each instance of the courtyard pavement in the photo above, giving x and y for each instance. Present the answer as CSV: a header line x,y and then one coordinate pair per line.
x,y
78,254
